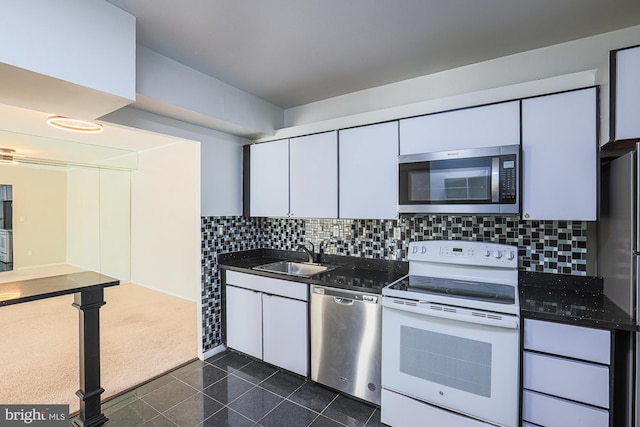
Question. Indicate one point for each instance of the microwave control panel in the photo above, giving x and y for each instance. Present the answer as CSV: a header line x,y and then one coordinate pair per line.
x,y
508,179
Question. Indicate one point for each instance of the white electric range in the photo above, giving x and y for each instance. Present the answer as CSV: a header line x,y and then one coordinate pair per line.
x,y
451,337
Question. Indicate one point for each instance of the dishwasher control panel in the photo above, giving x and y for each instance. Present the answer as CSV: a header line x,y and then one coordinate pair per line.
x,y
344,294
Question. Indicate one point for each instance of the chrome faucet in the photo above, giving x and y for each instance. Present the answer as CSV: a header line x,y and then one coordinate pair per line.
x,y
311,252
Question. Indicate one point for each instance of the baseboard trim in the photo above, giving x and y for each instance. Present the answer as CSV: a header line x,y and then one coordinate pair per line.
x,y
216,350
173,294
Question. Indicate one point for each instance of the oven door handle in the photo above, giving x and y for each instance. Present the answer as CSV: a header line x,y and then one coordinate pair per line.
x,y
453,313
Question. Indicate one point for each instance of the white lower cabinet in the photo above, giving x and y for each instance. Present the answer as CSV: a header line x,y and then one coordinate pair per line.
x,y
266,325
244,321
566,375
284,333
549,411
570,379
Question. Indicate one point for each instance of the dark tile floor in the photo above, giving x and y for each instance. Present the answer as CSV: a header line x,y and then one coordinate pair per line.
x,y
230,389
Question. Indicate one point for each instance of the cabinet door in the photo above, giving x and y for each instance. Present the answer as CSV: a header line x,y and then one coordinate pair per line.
x,y
560,156
486,126
269,178
627,94
313,167
570,379
244,320
285,333
577,342
549,411
369,171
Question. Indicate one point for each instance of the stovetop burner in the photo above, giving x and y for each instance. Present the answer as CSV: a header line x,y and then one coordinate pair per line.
x,y
466,274
422,285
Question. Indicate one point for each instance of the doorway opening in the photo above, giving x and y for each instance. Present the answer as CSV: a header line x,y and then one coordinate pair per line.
x,y
6,227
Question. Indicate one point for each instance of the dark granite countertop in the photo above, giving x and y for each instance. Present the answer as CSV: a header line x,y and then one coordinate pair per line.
x,y
48,287
562,298
353,273
570,299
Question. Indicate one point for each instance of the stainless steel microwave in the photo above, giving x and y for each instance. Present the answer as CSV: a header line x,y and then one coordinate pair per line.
x,y
470,181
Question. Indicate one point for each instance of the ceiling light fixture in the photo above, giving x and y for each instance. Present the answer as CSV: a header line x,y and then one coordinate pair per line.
x,y
8,155
74,125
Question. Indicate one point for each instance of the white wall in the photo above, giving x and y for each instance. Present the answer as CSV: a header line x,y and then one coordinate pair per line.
x,y
221,178
98,221
221,157
67,57
115,223
39,214
83,218
564,66
165,86
165,220
89,43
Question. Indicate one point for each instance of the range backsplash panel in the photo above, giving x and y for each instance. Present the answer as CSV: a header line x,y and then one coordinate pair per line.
x,y
543,246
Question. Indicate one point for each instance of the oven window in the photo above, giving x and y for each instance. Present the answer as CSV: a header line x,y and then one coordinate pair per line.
x,y
453,181
452,361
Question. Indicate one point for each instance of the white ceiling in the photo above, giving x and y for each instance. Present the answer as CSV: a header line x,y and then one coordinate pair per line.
x,y
293,52
27,132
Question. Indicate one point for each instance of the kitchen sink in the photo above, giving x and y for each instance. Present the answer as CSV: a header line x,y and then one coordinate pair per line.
x,y
302,269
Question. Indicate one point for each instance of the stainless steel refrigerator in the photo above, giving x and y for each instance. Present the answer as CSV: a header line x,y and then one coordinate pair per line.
x,y
618,246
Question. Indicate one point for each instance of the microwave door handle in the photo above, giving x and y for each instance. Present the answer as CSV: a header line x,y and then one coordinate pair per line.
x,y
495,179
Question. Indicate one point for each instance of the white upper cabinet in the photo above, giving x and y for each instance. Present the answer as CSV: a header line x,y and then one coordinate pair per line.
x,y
626,89
313,166
269,179
486,126
369,171
560,156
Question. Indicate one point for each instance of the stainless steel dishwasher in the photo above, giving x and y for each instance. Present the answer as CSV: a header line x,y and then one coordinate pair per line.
x,y
346,329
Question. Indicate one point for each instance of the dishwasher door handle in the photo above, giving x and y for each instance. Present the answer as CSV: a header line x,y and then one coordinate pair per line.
x,y
343,301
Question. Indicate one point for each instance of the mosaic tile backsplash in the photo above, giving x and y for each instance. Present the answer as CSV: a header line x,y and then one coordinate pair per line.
x,y
543,246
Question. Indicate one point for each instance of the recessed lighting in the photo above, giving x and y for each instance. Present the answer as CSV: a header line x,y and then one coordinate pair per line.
x,y
74,125
8,155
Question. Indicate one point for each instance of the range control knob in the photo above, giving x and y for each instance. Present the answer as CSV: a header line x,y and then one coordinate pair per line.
x,y
497,254
511,255
487,253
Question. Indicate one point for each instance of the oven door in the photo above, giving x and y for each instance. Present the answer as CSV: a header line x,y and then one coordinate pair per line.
x,y
463,360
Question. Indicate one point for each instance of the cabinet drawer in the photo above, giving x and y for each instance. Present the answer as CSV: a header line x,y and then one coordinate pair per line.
x,y
554,412
571,379
269,285
578,342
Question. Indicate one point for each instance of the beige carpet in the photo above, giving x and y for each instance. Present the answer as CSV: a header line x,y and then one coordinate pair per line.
x,y
144,333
